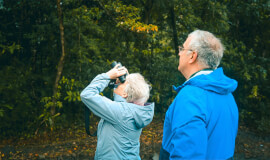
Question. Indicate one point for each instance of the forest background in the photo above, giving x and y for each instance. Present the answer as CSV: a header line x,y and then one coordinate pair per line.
x,y
51,50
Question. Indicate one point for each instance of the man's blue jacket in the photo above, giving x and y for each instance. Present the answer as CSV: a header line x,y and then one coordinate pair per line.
x,y
202,121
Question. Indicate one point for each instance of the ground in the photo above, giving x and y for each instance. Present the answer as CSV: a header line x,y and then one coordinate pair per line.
x,y
75,144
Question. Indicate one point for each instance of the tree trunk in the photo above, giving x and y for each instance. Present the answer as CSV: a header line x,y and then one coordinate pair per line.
x,y
61,61
147,11
172,17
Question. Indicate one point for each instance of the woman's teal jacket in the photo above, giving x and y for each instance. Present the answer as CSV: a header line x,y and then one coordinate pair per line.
x,y
121,123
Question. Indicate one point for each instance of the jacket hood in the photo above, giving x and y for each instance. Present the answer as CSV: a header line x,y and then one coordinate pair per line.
x,y
216,82
143,115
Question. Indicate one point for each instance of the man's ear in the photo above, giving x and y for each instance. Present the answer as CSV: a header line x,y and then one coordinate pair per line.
x,y
193,57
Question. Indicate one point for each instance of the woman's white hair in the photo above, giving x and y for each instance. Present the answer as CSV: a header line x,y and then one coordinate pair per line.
x,y
209,48
137,89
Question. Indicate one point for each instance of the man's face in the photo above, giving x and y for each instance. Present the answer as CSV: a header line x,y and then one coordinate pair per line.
x,y
183,57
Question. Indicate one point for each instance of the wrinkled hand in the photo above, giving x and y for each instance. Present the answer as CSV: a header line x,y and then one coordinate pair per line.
x,y
117,72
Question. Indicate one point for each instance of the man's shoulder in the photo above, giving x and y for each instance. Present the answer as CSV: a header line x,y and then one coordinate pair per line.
x,y
187,89
190,94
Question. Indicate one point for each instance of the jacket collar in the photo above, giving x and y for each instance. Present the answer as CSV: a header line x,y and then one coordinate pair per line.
x,y
201,72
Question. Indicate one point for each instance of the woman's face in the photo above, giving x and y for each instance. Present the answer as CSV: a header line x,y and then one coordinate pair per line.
x,y
120,90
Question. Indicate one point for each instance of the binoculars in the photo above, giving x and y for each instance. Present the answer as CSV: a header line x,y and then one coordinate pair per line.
x,y
121,78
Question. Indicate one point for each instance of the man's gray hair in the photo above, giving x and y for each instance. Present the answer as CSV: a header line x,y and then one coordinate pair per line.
x,y
209,48
137,88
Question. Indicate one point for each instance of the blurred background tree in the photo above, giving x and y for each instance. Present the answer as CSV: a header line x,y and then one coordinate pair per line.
x,y
143,35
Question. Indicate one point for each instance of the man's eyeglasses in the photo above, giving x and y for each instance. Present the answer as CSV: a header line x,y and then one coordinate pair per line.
x,y
182,49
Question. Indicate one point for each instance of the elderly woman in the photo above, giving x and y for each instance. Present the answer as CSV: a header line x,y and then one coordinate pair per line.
x,y
122,120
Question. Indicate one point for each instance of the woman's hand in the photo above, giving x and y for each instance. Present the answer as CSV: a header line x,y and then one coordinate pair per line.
x,y
117,72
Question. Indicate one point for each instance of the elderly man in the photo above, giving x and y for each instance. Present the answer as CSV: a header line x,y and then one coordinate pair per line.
x,y
202,121
122,120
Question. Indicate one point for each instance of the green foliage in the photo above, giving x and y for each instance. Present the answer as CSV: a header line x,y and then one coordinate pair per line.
x,y
252,79
10,48
72,89
140,35
46,117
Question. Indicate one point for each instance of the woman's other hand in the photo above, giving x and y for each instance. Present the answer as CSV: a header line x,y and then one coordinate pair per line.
x,y
117,72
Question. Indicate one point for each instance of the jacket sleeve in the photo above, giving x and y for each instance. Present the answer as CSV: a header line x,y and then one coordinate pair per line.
x,y
189,135
100,105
